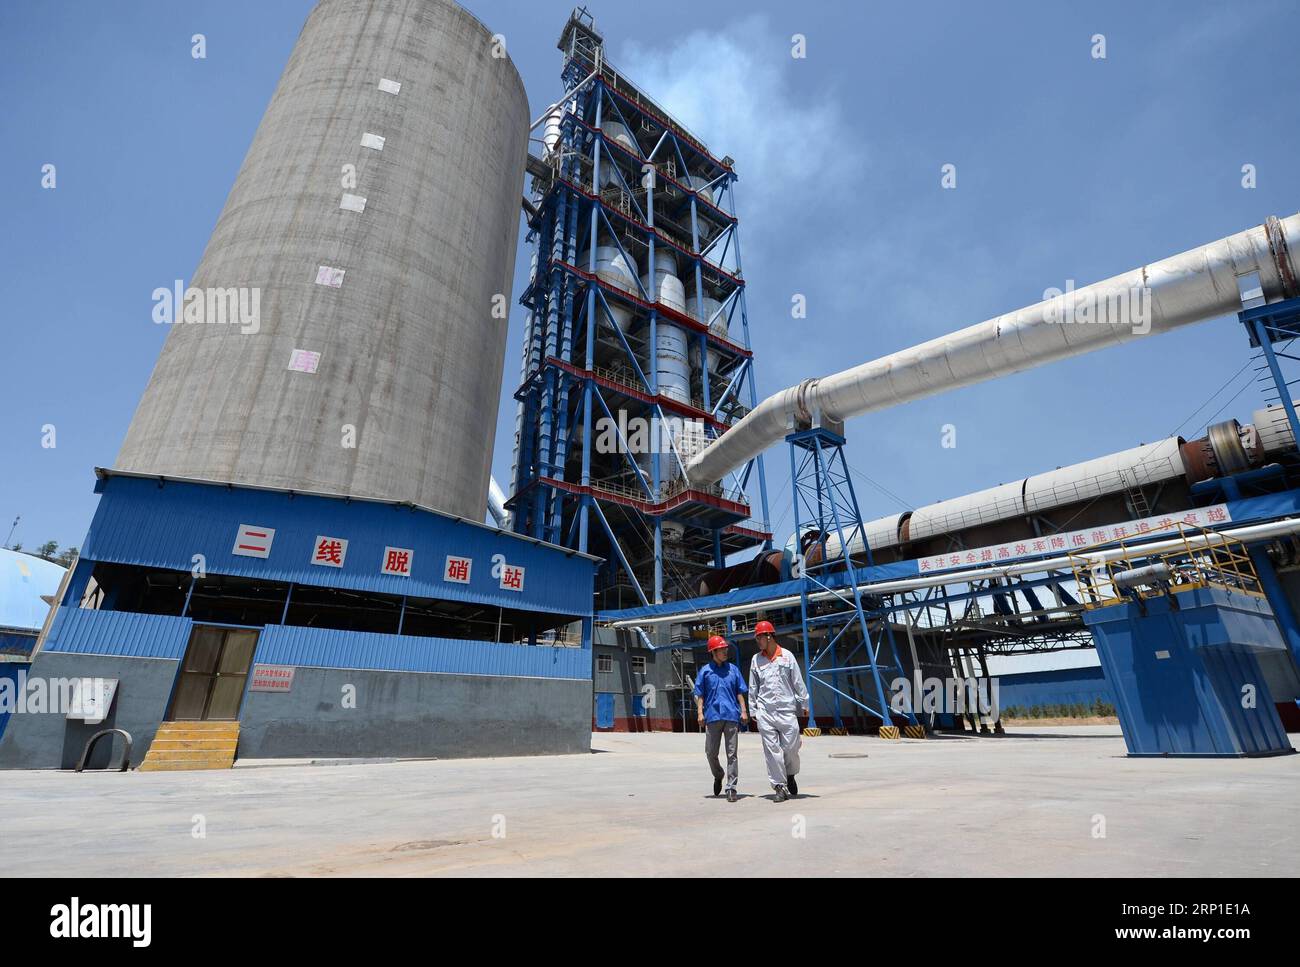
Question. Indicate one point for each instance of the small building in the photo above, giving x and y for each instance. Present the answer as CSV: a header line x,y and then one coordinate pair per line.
x,y
27,587
317,625
639,689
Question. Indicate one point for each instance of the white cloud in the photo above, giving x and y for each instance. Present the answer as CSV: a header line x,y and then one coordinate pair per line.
x,y
800,161
735,90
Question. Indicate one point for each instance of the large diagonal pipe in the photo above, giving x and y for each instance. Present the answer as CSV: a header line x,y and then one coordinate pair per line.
x,y
1194,286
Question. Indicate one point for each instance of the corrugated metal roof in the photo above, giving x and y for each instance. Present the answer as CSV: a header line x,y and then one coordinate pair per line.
x,y
104,473
23,580
127,634
165,524
329,648
122,633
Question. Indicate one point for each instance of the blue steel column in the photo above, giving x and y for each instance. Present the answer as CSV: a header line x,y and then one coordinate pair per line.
x,y
910,713
744,324
592,322
803,586
1277,599
655,467
1268,579
853,582
1283,391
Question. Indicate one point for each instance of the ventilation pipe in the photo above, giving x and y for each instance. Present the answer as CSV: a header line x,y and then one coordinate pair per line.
x,y
1178,291
497,503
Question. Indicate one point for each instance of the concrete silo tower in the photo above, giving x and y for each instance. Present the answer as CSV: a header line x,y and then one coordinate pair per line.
x,y
376,217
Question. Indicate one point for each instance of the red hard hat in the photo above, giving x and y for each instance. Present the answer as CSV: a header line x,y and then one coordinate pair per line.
x,y
716,642
764,628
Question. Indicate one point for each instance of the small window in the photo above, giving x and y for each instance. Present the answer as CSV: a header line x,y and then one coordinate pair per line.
x,y
638,664
604,664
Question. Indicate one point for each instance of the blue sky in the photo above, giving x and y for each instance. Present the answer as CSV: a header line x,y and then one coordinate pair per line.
x,y
1068,168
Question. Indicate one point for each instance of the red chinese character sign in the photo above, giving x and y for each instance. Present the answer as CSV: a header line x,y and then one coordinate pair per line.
x,y
457,569
252,540
272,678
1076,540
397,560
510,576
329,551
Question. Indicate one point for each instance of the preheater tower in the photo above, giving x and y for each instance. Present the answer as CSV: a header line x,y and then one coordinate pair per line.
x,y
376,290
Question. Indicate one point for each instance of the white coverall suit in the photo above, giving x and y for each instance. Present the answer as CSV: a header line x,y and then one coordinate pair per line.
x,y
776,693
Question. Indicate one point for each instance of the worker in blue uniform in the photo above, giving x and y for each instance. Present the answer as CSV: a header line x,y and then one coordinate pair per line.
x,y
720,692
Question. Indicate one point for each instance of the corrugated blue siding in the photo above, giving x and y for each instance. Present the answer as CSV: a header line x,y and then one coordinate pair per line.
x,y
119,633
327,648
17,643
10,672
141,521
1057,686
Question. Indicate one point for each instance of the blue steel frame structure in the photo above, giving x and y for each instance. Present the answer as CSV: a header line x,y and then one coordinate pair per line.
x,y
580,367
826,505
1266,325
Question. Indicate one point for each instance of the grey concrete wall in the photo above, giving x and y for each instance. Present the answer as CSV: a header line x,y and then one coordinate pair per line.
x,y
411,355
410,714
404,714
51,741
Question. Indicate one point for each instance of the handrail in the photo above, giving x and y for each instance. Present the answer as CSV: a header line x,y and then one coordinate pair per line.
x,y
1215,561
126,751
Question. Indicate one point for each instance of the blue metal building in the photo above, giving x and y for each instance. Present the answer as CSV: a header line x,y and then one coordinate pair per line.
x,y
27,585
350,627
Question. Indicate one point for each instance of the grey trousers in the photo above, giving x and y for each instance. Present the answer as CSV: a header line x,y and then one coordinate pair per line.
x,y
713,733
781,744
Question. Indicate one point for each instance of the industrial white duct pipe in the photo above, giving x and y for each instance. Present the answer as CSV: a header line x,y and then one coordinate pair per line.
x,y
1187,288
497,503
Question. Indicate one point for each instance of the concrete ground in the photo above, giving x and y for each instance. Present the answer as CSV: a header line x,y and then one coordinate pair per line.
x,y
1033,803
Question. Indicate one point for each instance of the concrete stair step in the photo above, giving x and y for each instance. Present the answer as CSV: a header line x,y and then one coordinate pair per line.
x,y
198,744
180,746
201,725
198,733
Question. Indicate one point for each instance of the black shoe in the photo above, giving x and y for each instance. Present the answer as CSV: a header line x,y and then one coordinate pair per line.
x,y
717,787
781,794
794,786
731,795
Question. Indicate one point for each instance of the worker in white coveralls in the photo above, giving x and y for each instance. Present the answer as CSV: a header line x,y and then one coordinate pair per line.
x,y
777,696
720,701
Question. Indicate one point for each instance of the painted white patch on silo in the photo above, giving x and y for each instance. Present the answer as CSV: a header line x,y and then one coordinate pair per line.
x,y
328,275
304,361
